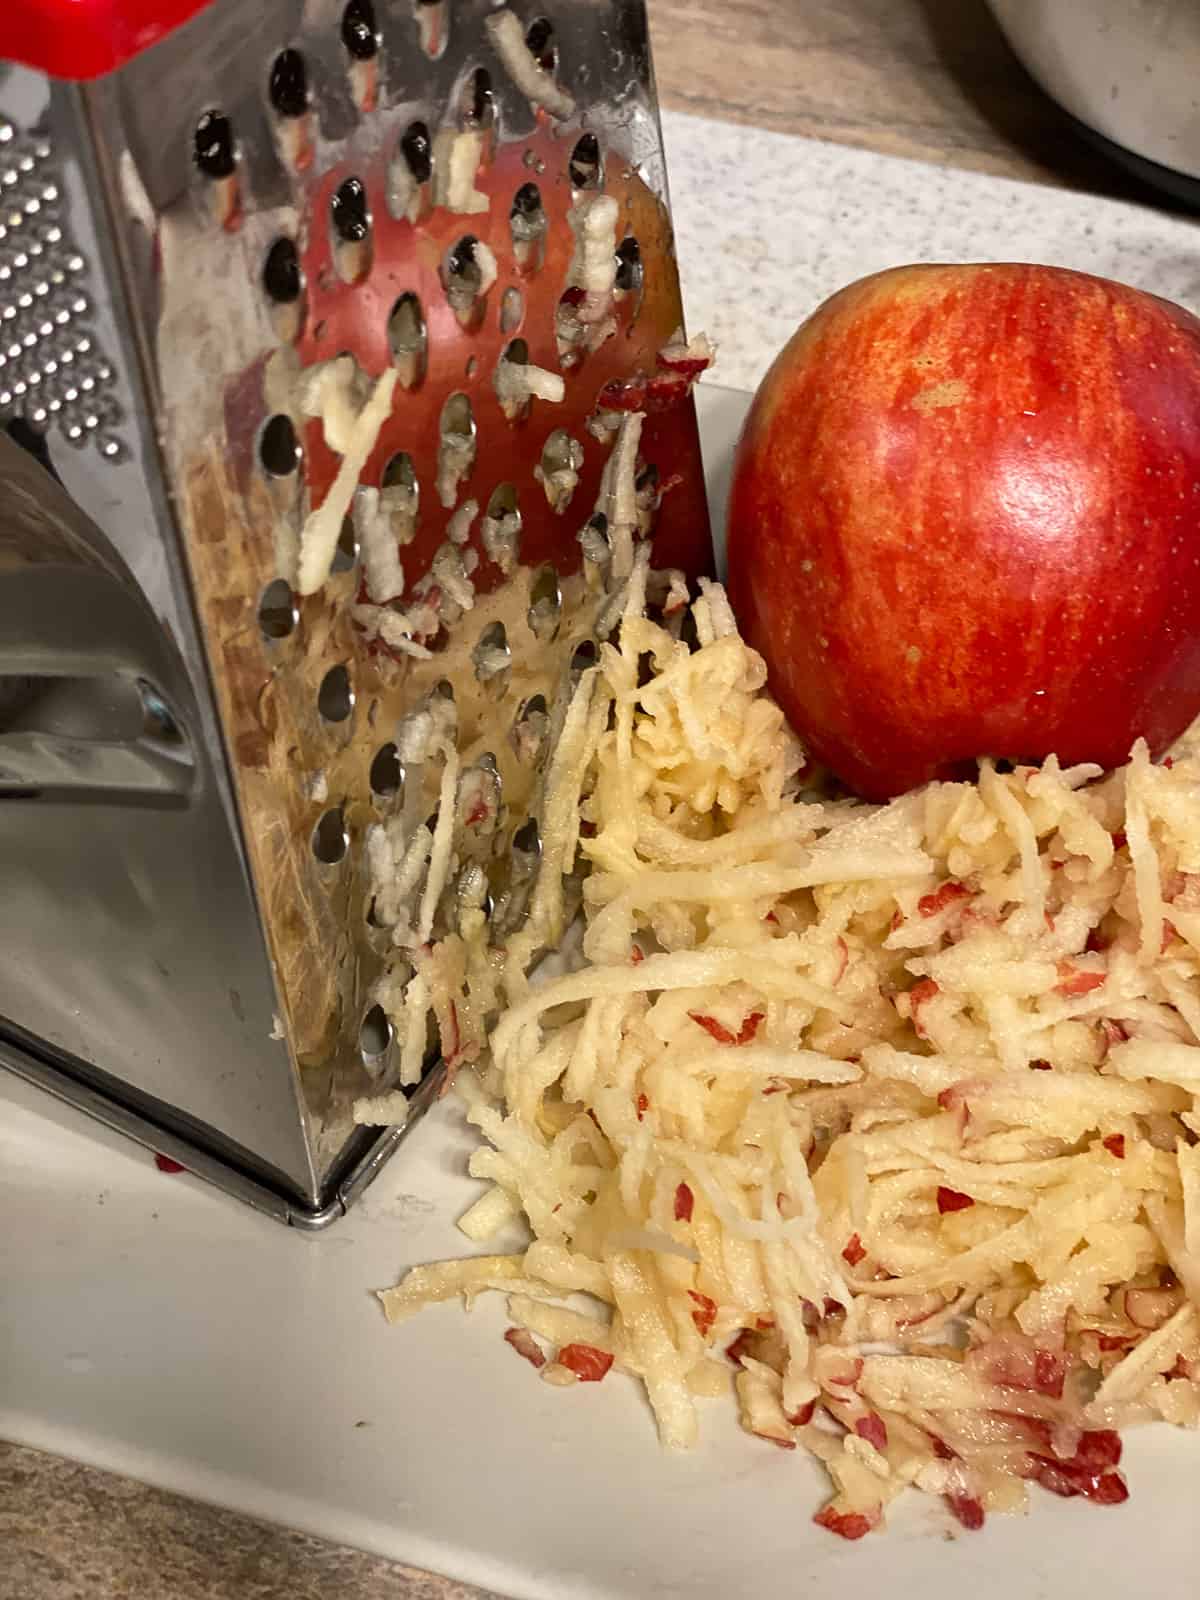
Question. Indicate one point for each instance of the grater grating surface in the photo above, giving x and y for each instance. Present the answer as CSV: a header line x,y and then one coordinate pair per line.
x,y
54,373
358,205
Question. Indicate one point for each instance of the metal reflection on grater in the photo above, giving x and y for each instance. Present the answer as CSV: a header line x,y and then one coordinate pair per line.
x,y
408,319
53,372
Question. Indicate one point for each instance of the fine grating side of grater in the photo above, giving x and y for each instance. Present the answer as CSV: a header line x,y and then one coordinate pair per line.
x,y
352,333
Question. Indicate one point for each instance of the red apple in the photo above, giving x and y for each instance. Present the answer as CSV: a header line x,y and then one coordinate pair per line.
x,y
965,521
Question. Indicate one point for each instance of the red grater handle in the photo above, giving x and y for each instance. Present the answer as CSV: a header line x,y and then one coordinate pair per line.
x,y
83,38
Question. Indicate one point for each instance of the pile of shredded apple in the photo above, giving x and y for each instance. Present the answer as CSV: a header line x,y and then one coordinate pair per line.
x,y
882,1118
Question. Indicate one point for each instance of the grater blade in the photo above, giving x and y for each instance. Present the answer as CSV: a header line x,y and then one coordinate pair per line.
x,y
342,200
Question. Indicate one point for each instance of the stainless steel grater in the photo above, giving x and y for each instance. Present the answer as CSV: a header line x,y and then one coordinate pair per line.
x,y
253,806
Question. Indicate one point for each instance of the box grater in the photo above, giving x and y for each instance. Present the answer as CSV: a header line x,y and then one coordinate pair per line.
x,y
341,369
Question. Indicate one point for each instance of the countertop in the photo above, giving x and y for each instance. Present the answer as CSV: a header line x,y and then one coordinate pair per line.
x,y
68,1532
929,79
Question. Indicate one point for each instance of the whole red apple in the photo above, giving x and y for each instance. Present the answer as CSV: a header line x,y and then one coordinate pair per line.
x,y
965,521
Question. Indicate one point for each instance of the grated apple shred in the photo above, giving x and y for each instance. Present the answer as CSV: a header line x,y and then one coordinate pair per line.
x,y
886,1112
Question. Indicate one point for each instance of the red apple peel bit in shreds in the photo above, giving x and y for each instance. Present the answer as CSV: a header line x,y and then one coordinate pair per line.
x,y
821,1122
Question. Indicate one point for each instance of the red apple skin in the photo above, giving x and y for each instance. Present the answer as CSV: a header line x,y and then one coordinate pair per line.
x,y
965,521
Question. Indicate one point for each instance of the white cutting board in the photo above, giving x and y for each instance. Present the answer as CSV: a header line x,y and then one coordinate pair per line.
x,y
149,1325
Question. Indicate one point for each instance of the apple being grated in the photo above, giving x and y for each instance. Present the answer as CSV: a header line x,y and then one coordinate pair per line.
x,y
880,1120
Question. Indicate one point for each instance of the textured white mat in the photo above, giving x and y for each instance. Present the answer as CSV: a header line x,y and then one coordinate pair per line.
x,y
768,225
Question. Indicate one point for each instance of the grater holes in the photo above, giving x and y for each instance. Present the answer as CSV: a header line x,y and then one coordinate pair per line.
x,y
529,729
512,310
360,32
585,655
585,167
527,226
408,340
541,43
477,101
594,540
279,451
478,805
503,501
433,26
545,604
213,145
283,285
560,450
527,840
350,221
456,446
282,277
471,893
492,658
287,84
511,386
559,468
330,840
500,531
278,613
399,499
416,148
630,272
512,880
468,271
410,172
345,554
375,1035
361,40
400,474
570,331
335,697
214,151
387,775
288,94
